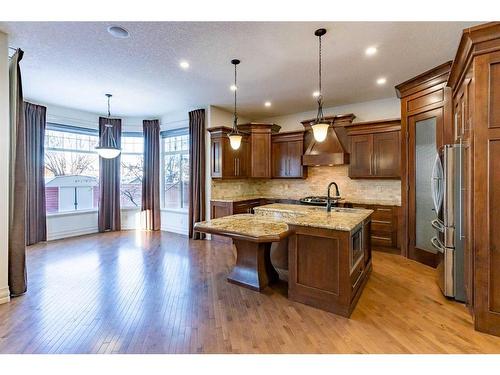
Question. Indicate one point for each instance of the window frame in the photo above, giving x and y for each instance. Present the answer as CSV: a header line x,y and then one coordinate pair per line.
x,y
53,126
136,134
168,134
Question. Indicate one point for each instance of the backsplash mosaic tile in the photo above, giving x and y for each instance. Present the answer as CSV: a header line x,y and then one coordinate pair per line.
x,y
315,184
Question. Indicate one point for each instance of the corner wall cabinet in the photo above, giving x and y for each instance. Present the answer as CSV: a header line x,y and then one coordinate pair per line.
x,y
252,159
227,163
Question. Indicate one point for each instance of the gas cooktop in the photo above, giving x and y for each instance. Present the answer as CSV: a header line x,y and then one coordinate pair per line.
x,y
318,200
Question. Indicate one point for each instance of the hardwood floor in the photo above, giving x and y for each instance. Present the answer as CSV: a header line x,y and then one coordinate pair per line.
x,y
138,292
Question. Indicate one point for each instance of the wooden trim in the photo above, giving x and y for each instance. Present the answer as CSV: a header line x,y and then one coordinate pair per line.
x,y
337,120
370,127
425,80
4,295
474,41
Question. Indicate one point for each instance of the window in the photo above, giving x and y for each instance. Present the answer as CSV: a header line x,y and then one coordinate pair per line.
x,y
132,162
175,168
71,168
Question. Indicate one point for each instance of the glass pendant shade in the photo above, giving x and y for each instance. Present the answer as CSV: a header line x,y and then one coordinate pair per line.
x,y
235,140
108,152
320,131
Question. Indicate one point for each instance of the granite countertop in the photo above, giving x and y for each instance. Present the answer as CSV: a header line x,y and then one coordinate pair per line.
x,y
246,226
270,223
344,219
369,201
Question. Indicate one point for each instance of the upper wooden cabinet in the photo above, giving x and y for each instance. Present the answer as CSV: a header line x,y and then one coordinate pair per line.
x,y
287,150
260,148
252,159
227,163
375,149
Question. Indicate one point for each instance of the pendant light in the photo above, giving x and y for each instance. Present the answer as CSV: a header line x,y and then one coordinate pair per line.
x,y
235,136
108,148
320,126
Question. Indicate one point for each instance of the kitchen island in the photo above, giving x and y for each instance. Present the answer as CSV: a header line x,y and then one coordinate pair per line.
x,y
329,255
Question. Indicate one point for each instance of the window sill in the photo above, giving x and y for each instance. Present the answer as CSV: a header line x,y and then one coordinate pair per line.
x,y
71,213
176,210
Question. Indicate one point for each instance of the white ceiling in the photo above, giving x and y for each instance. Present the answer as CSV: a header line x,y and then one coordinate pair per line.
x,y
74,64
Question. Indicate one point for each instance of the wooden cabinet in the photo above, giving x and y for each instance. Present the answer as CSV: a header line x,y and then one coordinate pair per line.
x,y
475,83
260,148
286,154
361,153
384,226
426,125
375,149
227,163
252,159
327,268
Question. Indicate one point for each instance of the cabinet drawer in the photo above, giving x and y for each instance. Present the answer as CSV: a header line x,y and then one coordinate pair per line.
x,y
381,240
382,214
383,226
356,274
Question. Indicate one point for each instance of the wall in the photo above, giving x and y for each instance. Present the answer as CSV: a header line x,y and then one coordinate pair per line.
x,y
319,177
389,108
4,167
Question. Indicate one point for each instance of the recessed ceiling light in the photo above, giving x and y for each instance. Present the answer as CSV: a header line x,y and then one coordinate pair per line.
x,y
267,104
184,64
316,94
370,51
233,88
381,81
118,32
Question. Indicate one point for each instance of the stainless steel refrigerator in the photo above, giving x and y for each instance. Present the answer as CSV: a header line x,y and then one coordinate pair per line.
x,y
448,193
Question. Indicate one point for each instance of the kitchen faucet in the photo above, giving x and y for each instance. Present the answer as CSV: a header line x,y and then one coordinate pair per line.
x,y
328,200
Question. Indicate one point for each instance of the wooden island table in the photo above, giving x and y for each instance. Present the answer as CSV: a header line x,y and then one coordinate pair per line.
x,y
329,254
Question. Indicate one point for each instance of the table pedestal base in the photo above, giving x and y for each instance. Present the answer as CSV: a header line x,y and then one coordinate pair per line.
x,y
253,269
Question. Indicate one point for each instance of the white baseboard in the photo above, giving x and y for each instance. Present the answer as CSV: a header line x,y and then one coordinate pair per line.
x,y
71,233
174,229
4,295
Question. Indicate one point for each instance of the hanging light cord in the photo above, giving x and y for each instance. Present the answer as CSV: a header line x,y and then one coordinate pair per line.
x,y
108,128
109,111
319,116
235,119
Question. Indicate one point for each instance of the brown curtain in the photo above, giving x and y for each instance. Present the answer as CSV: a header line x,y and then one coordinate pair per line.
x,y
17,176
151,175
196,170
35,119
109,181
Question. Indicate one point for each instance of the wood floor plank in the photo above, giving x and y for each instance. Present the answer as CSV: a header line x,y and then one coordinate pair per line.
x,y
140,292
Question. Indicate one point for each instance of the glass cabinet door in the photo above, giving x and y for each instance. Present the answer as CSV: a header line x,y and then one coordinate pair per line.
x,y
425,156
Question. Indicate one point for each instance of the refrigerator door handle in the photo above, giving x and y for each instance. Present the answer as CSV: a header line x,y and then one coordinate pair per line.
x,y
436,184
436,224
435,242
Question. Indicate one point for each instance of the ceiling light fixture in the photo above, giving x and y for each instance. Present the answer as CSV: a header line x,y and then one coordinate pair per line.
x,y
320,126
235,136
233,87
381,81
267,104
118,32
315,94
107,148
184,64
370,51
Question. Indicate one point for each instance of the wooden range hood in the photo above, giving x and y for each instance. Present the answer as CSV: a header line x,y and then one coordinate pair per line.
x,y
333,150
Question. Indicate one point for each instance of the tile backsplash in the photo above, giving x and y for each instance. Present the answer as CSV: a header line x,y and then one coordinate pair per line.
x,y
315,184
